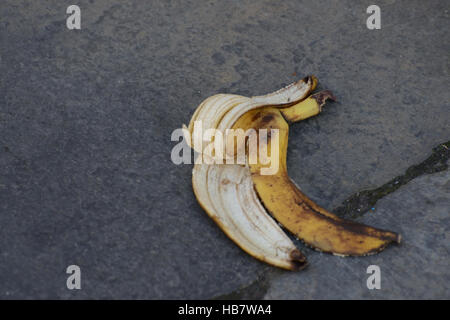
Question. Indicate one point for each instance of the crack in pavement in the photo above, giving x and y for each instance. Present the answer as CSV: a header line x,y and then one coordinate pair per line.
x,y
254,291
355,206
360,203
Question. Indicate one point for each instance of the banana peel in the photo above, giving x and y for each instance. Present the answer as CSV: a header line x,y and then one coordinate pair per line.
x,y
243,202
226,191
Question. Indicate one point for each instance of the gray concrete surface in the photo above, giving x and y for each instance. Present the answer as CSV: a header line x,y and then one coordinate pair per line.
x,y
86,118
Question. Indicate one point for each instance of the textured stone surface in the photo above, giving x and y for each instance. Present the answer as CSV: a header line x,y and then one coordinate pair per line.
x,y
416,269
86,118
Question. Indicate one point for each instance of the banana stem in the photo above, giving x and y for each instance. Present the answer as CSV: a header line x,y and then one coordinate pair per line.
x,y
307,108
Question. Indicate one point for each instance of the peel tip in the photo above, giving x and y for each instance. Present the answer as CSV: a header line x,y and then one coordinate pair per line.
x,y
394,237
298,261
322,96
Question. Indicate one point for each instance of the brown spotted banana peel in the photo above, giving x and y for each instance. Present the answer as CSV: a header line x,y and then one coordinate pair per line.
x,y
226,192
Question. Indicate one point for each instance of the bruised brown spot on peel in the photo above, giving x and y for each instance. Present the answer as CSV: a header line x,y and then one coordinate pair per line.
x,y
267,118
225,182
362,229
256,116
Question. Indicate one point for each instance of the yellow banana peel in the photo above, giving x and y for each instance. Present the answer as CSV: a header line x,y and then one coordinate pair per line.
x,y
243,200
